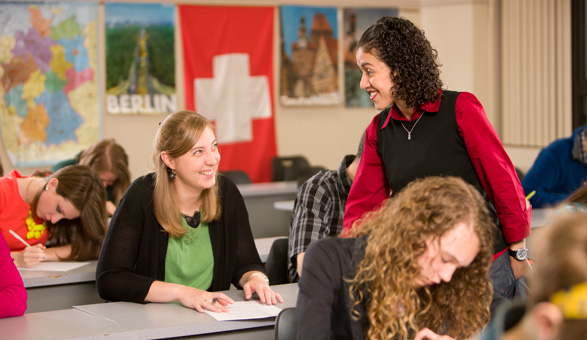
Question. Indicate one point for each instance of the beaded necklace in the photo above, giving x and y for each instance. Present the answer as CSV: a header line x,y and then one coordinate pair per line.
x,y
35,230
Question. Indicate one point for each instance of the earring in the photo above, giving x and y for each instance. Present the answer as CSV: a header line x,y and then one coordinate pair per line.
x,y
46,187
171,173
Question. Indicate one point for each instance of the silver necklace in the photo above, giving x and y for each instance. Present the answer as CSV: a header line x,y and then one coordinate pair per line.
x,y
412,129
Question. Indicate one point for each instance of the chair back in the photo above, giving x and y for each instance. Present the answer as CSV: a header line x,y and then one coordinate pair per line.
x,y
237,176
285,324
287,168
276,265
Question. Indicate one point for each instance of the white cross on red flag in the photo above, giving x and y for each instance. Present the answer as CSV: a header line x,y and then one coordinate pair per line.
x,y
228,67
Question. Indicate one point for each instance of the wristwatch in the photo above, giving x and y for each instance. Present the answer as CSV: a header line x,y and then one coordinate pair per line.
x,y
519,254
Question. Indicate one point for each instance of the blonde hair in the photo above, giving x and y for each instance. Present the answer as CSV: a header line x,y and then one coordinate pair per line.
x,y
560,263
107,155
396,237
178,134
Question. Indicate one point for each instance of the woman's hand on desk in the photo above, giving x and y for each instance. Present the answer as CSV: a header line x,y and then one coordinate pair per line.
x,y
200,300
30,256
257,282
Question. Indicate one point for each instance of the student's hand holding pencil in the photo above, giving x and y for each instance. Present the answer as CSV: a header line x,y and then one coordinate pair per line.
x,y
30,256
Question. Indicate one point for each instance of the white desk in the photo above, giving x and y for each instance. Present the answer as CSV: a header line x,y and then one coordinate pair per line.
x,y
259,198
59,290
125,320
284,205
49,290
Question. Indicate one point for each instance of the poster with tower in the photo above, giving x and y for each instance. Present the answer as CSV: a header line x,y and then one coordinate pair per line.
x,y
140,58
309,56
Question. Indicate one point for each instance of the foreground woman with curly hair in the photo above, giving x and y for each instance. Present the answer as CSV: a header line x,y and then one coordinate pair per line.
x,y
424,131
417,265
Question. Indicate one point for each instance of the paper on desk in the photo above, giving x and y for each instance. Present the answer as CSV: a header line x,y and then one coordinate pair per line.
x,y
246,310
58,266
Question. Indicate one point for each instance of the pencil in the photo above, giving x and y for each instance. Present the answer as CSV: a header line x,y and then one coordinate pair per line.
x,y
530,195
19,238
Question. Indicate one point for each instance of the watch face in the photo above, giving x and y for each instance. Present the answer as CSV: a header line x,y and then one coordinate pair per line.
x,y
522,254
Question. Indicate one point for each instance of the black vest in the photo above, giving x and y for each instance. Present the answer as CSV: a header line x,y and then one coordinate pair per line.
x,y
436,148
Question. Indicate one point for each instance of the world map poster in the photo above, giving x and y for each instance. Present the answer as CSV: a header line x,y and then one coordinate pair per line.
x,y
49,90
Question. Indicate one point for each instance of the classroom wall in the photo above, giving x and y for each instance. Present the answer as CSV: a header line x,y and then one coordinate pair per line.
x,y
463,32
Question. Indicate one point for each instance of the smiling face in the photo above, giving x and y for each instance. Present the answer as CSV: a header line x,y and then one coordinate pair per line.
x,y
197,168
455,249
53,207
375,79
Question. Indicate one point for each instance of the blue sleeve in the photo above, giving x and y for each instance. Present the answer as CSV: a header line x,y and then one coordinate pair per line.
x,y
544,177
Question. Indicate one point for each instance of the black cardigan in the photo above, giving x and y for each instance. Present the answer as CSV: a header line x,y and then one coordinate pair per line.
x,y
134,250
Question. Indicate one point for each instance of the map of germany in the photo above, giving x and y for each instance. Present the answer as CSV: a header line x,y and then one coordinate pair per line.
x,y
49,100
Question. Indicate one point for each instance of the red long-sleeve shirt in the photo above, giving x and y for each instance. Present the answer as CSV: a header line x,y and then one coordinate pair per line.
x,y
493,166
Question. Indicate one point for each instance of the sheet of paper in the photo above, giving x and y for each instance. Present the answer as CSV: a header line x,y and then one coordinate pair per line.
x,y
246,310
58,266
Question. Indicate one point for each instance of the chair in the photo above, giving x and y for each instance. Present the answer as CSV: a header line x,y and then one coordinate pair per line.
x,y
276,265
237,176
285,324
305,174
287,168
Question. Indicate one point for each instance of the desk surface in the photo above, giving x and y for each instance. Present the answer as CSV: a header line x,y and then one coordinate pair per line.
x,y
284,205
40,278
125,320
268,188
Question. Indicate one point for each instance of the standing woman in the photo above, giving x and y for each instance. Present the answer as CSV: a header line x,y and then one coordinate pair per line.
x,y
182,232
110,161
423,131
65,211
418,266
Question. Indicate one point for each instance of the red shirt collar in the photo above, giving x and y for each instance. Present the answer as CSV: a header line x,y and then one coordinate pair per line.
x,y
428,107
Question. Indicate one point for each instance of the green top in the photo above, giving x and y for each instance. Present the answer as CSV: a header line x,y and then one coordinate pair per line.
x,y
189,260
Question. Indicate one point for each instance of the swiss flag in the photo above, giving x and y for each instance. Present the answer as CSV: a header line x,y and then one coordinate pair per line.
x,y
228,63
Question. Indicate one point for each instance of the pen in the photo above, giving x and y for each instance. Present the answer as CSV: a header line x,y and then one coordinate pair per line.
x,y
19,238
530,195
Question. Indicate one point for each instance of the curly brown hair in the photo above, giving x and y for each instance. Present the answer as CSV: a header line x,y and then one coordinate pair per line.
x,y
396,238
403,47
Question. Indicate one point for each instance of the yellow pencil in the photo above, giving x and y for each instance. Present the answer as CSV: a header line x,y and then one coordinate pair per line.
x,y
530,195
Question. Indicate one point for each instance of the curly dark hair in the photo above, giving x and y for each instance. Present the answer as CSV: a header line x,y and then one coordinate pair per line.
x,y
415,69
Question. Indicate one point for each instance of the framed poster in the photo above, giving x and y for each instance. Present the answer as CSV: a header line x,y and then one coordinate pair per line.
x,y
140,58
309,56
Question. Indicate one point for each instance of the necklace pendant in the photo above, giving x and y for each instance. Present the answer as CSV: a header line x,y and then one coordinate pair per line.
x,y
409,136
